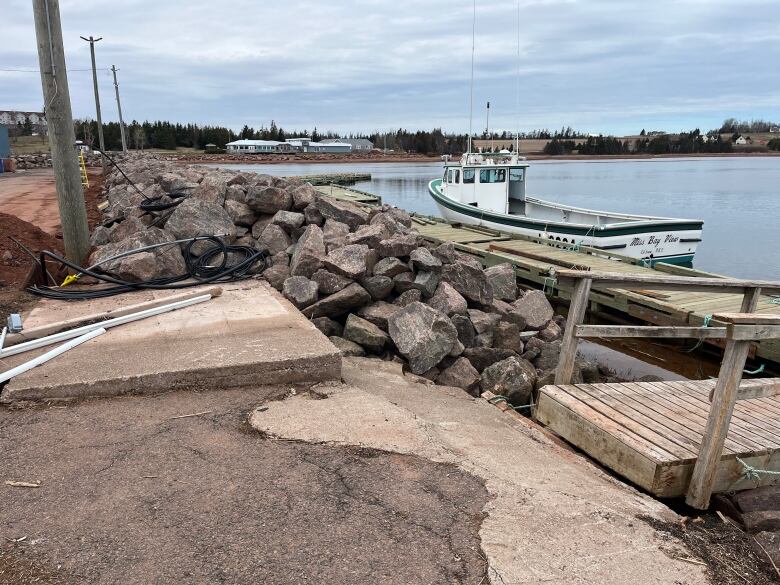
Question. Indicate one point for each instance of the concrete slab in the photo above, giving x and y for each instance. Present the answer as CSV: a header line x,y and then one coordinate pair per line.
x,y
248,336
553,517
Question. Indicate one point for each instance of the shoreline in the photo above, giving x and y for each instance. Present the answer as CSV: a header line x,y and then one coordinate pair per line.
x,y
282,159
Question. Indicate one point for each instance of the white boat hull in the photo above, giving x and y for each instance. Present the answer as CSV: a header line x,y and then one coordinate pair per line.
x,y
668,241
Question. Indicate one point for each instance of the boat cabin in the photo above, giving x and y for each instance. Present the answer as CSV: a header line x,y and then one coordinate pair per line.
x,y
494,182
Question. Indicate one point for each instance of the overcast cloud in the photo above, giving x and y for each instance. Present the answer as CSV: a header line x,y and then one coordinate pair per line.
x,y
612,66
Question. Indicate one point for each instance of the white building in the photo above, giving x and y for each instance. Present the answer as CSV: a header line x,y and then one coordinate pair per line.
x,y
741,141
245,146
305,144
358,144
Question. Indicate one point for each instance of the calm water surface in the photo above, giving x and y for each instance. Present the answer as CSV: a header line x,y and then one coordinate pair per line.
x,y
738,198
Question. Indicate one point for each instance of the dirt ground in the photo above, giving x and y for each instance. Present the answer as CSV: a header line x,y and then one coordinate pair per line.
x,y
131,494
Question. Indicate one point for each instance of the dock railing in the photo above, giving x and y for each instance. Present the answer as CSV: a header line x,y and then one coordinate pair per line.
x,y
738,329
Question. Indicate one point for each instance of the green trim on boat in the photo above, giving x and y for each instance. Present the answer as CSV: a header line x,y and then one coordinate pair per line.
x,y
532,224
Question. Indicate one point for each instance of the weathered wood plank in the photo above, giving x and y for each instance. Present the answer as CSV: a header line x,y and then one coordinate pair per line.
x,y
762,388
650,331
705,470
577,308
742,318
661,281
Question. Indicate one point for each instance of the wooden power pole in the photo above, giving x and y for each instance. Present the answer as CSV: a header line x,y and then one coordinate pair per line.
x,y
62,137
119,107
92,40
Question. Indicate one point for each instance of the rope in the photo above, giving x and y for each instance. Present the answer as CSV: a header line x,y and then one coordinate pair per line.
x,y
753,474
549,281
705,323
775,300
758,370
500,398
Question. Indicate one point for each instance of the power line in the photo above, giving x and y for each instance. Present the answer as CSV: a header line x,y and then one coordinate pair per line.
x,y
38,70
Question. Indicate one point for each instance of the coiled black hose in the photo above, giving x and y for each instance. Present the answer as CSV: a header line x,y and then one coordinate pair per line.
x,y
235,263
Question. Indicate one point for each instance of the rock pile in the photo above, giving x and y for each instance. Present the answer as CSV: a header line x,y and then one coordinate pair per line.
x,y
363,275
43,160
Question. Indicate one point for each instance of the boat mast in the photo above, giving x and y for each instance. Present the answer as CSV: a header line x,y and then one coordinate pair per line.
x,y
471,97
517,105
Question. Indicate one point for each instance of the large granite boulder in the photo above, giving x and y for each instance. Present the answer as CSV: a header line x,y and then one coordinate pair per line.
x,y
483,357
423,335
469,280
240,213
334,233
390,267
423,259
155,263
330,283
461,374
349,213
365,333
195,217
288,220
379,313
274,239
503,280
350,297
379,287
268,199
212,188
309,252
351,261
513,377
300,291
447,300
534,308
398,245
303,196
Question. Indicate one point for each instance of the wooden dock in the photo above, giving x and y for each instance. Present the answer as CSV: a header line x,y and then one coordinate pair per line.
x,y
535,259
336,178
651,432
348,194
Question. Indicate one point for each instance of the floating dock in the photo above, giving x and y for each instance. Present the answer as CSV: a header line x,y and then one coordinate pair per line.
x,y
337,178
651,432
348,194
536,259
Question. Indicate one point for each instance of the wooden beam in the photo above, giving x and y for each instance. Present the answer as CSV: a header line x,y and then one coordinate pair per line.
x,y
763,388
650,332
750,300
663,282
753,332
723,400
748,318
577,308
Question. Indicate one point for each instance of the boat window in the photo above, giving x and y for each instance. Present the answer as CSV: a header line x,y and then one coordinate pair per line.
x,y
468,175
492,175
515,175
457,176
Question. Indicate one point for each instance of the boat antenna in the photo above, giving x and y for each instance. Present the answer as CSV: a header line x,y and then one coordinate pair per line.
x,y
517,97
471,97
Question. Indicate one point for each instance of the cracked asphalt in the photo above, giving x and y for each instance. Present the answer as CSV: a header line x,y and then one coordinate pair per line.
x,y
130,494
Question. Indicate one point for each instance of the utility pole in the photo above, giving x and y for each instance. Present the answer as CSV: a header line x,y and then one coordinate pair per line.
x,y
119,107
62,137
91,40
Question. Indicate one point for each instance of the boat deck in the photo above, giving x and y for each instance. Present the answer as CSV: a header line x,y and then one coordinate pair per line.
x,y
651,432
534,258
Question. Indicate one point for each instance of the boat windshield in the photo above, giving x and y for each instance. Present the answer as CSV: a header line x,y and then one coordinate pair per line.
x,y
515,175
492,175
468,175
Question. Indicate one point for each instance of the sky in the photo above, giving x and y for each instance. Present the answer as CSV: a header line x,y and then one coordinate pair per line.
x,y
607,66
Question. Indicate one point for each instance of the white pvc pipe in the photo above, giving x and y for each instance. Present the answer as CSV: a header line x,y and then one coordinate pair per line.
x,y
43,358
2,337
71,333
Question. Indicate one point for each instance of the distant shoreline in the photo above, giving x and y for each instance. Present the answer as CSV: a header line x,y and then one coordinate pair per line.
x,y
323,159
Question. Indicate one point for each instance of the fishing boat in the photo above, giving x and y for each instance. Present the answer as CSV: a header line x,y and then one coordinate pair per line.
x,y
489,189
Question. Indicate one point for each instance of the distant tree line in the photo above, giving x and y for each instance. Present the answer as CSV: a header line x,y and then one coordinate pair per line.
x,y
734,126
773,144
684,143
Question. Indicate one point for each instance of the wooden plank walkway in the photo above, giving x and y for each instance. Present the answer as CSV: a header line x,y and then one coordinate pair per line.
x,y
534,259
651,432
348,194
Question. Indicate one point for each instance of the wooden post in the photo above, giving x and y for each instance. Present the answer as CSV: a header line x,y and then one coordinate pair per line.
x,y
721,409
62,138
750,300
579,304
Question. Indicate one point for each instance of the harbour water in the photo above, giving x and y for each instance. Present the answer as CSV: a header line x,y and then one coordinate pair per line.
x,y
737,197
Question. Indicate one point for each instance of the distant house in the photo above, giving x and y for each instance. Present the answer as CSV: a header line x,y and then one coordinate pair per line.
x,y
12,118
305,144
245,146
358,144
775,129
741,141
